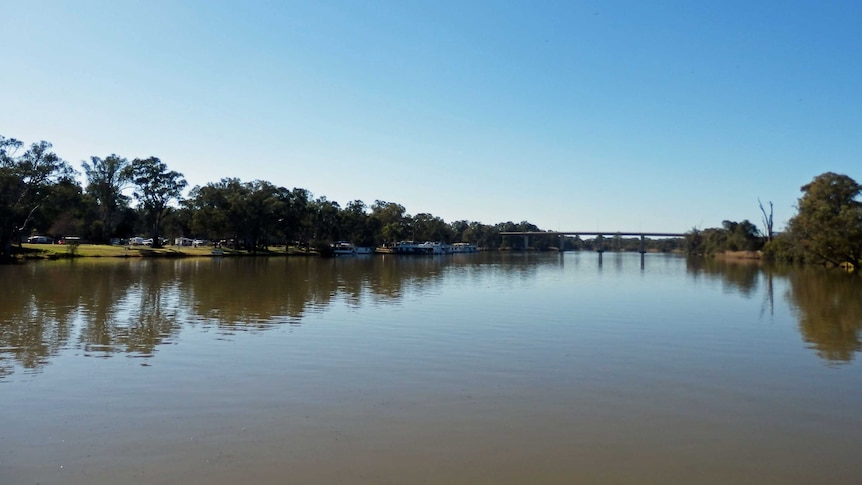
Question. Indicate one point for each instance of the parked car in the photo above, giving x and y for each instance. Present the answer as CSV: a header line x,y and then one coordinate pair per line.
x,y
40,240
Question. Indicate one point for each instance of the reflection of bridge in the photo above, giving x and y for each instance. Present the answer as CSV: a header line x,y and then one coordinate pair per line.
x,y
599,236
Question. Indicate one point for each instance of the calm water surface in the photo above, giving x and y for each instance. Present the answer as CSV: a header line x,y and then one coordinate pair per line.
x,y
487,368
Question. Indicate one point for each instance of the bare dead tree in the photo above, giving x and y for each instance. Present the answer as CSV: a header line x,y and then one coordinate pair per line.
x,y
767,219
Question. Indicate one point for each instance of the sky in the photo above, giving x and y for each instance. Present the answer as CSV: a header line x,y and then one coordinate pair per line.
x,y
655,116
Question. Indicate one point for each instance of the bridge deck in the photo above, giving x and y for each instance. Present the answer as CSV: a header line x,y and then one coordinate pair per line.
x,y
592,233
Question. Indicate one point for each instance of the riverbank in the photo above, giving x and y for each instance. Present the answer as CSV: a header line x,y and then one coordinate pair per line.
x,y
739,255
58,251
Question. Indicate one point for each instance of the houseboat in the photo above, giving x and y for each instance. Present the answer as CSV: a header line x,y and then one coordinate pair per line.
x,y
462,247
344,248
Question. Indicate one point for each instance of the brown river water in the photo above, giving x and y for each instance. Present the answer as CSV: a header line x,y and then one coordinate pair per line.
x,y
462,369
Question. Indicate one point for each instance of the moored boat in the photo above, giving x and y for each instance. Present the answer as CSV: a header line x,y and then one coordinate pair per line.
x,y
343,248
434,247
429,248
462,247
407,247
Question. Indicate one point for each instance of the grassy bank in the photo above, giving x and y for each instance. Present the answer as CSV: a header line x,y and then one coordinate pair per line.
x,y
58,251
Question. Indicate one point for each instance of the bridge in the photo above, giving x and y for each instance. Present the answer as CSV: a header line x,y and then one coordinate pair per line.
x,y
599,236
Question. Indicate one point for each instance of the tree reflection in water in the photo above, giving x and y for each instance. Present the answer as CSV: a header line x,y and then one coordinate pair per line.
x,y
133,307
826,303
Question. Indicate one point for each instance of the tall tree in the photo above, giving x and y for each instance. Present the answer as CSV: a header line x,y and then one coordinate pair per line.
x,y
355,221
106,179
484,236
65,212
297,221
828,226
739,236
391,218
426,227
25,182
263,208
250,213
767,220
326,220
155,188
211,206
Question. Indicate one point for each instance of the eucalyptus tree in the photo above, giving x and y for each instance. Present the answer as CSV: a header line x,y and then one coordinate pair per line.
x,y
211,208
155,188
482,235
263,208
297,221
249,213
326,216
731,236
391,218
458,228
427,227
355,223
740,236
66,211
26,180
106,179
828,225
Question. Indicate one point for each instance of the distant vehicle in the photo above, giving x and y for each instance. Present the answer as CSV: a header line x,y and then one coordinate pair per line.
x,y
115,241
40,240
70,240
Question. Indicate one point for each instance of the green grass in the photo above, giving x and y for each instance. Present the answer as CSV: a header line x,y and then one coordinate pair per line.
x,y
57,251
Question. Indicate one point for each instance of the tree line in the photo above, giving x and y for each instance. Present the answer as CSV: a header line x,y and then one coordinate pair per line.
x,y
826,229
40,194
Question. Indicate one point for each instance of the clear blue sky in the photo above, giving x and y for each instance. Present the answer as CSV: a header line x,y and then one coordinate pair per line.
x,y
573,115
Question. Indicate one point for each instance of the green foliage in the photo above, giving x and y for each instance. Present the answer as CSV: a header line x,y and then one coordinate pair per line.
x,y
482,235
391,219
517,243
783,248
26,181
356,224
426,227
731,236
65,210
251,214
326,219
155,188
828,226
106,179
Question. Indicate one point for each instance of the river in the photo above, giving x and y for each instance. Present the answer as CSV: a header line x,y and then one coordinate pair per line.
x,y
504,368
